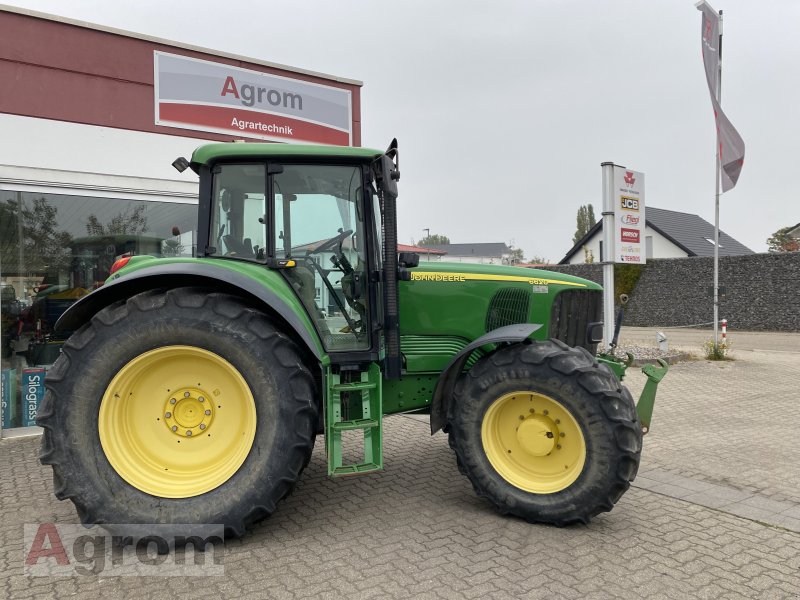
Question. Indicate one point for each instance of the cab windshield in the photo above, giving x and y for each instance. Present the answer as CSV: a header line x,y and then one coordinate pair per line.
x,y
238,211
319,223
318,220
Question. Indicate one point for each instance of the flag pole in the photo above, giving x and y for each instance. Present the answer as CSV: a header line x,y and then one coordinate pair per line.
x,y
716,199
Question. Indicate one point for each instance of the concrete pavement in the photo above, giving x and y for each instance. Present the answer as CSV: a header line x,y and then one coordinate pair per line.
x,y
691,339
714,513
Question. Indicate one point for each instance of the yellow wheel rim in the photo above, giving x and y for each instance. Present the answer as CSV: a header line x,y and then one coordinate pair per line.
x,y
177,421
533,442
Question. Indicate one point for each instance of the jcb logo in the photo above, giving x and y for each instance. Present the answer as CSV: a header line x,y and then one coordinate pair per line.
x,y
629,203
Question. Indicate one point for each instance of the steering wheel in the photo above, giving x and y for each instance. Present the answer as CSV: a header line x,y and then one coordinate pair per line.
x,y
334,295
332,243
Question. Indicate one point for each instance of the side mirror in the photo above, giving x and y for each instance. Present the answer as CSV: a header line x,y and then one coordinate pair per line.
x,y
408,260
388,176
387,170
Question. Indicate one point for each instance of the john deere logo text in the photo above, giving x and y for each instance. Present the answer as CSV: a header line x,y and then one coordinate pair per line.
x,y
629,235
629,203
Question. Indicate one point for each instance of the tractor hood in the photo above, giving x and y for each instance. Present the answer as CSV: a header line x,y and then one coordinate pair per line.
x,y
463,272
460,302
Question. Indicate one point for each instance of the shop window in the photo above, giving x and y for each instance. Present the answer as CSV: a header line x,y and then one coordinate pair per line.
x,y
55,249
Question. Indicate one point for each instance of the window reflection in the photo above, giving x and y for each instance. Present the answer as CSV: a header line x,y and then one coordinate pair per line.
x,y
55,249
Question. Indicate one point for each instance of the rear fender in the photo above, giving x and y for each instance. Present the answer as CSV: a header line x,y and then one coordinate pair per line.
x,y
442,395
184,274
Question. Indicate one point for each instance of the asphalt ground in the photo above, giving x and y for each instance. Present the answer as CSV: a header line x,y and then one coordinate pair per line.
x,y
714,512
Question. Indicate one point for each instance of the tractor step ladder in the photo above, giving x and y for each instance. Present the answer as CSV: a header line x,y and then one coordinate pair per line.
x,y
364,409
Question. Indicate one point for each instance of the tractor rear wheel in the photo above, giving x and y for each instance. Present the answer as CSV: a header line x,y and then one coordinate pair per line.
x,y
183,406
545,433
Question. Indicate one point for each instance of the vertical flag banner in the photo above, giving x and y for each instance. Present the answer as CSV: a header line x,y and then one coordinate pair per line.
x,y
730,143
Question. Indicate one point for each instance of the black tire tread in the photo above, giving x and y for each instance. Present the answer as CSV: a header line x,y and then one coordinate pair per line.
x,y
555,359
67,479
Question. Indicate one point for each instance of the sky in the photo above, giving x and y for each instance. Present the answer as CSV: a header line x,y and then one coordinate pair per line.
x,y
504,110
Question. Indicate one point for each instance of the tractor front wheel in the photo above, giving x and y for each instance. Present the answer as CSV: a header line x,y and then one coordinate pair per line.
x,y
182,406
545,433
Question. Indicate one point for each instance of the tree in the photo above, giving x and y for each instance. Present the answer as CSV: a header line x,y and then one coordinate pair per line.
x,y
517,255
585,220
434,239
780,241
31,240
128,222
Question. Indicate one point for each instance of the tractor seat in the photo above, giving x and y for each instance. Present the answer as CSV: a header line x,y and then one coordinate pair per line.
x,y
236,247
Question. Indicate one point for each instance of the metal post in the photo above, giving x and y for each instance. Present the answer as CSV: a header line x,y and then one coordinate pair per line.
x,y
716,200
609,252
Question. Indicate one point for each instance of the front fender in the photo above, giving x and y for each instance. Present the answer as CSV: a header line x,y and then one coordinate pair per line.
x,y
195,273
447,381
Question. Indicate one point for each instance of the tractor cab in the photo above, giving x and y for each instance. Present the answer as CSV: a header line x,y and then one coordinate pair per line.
x,y
316,225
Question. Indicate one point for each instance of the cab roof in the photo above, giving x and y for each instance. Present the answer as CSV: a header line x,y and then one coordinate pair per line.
x,y
210,153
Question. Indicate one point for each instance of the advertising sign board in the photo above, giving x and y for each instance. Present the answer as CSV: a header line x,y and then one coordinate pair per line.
x,y
8,397
32,394
629,218
208,96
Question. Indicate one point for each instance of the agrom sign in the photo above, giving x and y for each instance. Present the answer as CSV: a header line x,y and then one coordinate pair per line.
x,y
208,96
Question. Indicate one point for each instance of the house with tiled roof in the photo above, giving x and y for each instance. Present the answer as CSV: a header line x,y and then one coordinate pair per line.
x,y
429,254
668,234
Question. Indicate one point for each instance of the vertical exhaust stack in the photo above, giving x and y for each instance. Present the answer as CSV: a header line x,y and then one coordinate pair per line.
x,y
387,173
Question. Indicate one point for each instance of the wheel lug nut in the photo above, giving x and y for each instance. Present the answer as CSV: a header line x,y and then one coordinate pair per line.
x,y
208,412
185,394
558,446
201,399
189,433
532,410
521,418
547,412
168,415
558,421
202,425
562,434
172,400
174,428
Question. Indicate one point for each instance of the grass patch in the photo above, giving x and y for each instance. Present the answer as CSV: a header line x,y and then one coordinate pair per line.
x,y
716,350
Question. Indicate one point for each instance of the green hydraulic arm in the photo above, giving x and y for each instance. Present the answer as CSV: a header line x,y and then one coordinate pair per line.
x,y
654,374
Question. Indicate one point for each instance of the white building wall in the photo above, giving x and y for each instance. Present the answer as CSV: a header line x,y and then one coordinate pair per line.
x,y
662,247
592,245
58,145
476,260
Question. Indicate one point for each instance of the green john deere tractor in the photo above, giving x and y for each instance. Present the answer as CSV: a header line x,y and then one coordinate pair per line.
x,y
192,389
